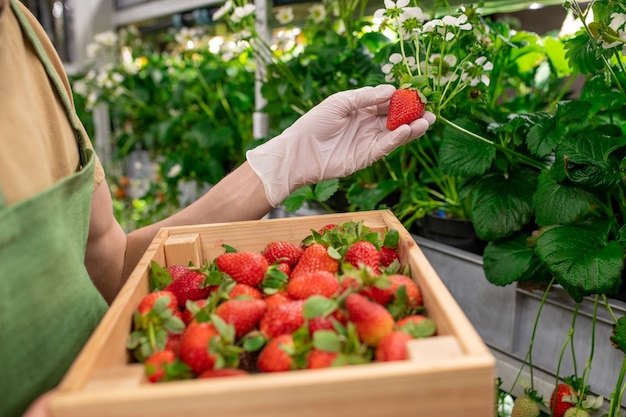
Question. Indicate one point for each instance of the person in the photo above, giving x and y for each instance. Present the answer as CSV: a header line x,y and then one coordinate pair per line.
x,y
64,257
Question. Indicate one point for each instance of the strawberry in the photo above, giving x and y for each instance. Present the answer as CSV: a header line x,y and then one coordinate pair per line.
x,y
224,372
244,314
283,318
280,251
191,309
405,106
526,405
243,290
392,347
388,256
372,320
315,258
194,346
146,304
306,284
191,285
280,297
275,356
576,412
176,271
244,267
329,226
562,399
319,359
363,253
165,366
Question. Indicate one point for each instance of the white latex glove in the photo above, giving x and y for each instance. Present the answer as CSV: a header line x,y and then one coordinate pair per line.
x,y
343,134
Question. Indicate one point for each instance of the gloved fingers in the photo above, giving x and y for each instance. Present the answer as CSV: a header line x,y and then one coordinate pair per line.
x,y
353,100
398,137
430,117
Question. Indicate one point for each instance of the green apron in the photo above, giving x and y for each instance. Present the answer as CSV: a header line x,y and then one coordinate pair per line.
x,y
48,304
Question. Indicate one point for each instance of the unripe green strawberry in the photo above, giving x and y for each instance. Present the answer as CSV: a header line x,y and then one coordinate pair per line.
x,y
405,106
576,412
524,406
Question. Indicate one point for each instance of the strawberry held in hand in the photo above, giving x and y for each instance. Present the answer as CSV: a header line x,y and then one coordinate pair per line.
x,y
406,105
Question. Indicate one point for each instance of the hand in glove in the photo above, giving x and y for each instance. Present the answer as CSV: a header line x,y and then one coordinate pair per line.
x,y
341,135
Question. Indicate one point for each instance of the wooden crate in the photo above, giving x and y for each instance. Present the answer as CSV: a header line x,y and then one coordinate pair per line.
x,y
449,375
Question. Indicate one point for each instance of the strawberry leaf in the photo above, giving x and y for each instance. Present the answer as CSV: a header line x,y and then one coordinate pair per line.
x,y
424,328
327,340
253,342
461,155
618,338
392,237
512,259
502,205
582,259
159,277
556,203
318,306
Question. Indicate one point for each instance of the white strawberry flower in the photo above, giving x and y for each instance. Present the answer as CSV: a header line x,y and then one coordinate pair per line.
x,y
317,13
221,12
442,69
618,25
284,15
475,72
107,38
397,66
242,12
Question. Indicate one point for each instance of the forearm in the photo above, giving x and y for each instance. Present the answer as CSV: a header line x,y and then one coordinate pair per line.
x,y
239,196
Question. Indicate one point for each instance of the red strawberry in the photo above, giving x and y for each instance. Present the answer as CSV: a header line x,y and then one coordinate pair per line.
x,y
275,357
244,267
414,294
306,284
189,313
405,106
372,320
316,258
147,302
319,359
563,398
190,286
282,252
165,366
388,256
392,347
244,314
282,319
363,253
176,271
327,227
280,297
224,372
243,290
194,346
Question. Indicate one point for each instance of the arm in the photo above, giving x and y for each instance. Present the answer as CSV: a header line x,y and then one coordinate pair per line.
x,y
112,254
343,134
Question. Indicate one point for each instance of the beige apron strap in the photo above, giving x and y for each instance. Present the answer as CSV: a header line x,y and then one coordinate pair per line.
x,y
55,79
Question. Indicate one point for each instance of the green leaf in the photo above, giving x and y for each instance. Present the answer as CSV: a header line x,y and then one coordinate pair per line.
x,y
555,203
318,306
544,137
502,205
369,198
326,189
581,259
510,260
296,199
327,340
253,342
159,277
462,155
618,338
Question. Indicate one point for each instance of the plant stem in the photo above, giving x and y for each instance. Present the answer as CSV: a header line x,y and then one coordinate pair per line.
x,y
616,396
529,355
523,158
